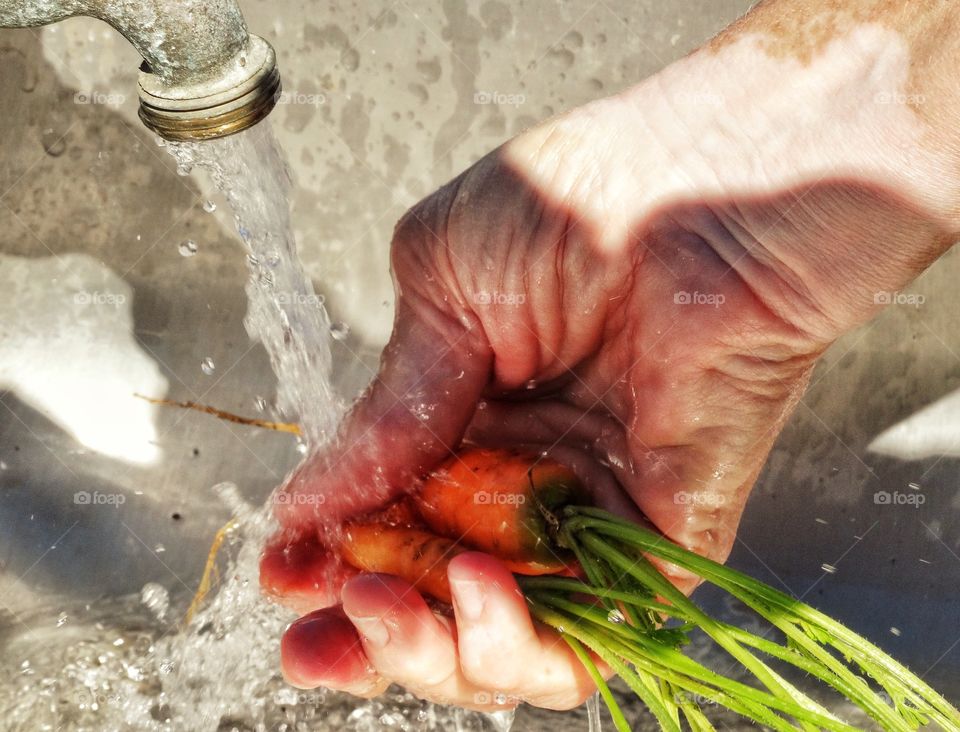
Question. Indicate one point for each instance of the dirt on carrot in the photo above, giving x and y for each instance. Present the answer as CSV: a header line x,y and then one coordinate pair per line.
x,y
419,557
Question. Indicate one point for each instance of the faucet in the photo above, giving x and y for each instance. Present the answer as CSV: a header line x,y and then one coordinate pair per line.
x,y
203,75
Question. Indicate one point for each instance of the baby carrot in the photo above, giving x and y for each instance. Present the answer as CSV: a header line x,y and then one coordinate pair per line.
x,y
496,500
419,557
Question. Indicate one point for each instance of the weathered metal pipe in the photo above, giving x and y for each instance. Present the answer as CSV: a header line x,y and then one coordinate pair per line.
x,y
203,74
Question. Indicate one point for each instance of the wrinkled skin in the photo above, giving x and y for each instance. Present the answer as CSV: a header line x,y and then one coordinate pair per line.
x,y
605,288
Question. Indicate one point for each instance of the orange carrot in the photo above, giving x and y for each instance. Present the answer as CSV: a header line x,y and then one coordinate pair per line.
x,y
494,501
419,557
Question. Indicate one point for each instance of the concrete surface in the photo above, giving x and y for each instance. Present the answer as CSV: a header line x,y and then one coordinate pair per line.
x,y
385,101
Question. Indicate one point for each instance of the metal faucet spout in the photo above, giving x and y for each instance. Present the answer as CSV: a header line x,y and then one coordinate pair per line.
x,y
203,74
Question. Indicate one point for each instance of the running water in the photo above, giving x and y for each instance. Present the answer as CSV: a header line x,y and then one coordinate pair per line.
x,y
225,665
593,713
284,313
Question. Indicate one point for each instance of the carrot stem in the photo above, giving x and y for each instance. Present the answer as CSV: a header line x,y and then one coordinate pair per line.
x,y
808,628
616,713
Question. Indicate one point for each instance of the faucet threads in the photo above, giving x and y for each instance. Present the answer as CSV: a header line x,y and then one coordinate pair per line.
x,y
202,112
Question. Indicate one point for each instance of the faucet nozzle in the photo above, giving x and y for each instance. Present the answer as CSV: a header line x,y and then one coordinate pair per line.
x,y
245,93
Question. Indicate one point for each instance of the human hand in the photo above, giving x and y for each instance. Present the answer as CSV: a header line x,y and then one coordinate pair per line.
x,y
639,288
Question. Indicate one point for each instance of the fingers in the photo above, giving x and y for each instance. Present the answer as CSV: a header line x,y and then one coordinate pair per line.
x,y
323,649
493,624
432,373
302,574
405,641
464,664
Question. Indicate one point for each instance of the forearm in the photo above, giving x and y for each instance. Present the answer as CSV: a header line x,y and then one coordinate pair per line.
x,y
923,47
849,114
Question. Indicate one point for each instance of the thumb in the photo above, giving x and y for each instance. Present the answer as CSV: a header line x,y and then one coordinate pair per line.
x,y
415,411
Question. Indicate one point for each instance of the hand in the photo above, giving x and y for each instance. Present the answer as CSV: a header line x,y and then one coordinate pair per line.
x,y
640,288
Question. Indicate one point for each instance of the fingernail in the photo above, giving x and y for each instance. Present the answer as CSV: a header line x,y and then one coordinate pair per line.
x,y
372,629
469,598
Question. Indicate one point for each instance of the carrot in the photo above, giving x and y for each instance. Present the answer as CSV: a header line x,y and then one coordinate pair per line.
x,y
496,501
419,557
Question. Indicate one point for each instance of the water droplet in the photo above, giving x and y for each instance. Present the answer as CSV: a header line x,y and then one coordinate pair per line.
x,y
532,384
895,631
339,331
615,616
481,405
500,698
54,143
821,521
207,366
188,248
155,598
828,568
209,206
260,404
159,549
301,447
62,620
